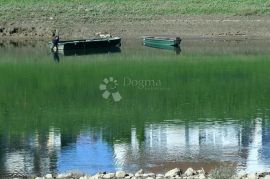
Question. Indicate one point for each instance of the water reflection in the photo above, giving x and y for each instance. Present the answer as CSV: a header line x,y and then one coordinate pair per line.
x,y
56,57
134,46
26,155
94,51
176,50
90,151
90,51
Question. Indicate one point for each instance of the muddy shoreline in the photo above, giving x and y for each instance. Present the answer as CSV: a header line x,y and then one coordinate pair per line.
x,y
185,26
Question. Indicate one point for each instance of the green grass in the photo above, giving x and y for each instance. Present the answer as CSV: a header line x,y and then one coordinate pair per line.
x,y
130,8
35,95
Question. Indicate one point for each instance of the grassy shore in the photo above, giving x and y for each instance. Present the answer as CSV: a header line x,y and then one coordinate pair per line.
x,y
80,19
135,7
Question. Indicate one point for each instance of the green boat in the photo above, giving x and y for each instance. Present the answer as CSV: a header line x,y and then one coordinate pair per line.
x,y
162,41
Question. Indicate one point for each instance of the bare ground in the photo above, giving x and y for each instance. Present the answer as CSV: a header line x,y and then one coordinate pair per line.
x,y
185,26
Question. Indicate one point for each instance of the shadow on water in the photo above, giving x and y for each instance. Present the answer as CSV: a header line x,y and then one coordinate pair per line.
x,y
177,50
19,44
91,51
56,57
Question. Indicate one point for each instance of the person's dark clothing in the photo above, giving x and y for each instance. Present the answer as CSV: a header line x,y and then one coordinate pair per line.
x,y
55,42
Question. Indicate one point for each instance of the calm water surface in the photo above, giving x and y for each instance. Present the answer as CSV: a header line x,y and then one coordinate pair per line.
x,y
203,105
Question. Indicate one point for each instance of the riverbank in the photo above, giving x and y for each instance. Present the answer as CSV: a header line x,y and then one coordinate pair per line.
x,y
221,173
131,19
186,26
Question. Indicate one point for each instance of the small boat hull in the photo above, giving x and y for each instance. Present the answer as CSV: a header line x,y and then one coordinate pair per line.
x,y
161,41
89,43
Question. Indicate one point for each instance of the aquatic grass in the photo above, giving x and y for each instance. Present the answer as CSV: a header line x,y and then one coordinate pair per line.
x,y
37,95
223,172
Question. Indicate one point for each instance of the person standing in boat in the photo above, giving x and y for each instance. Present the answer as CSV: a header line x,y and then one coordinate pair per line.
x,y
55,41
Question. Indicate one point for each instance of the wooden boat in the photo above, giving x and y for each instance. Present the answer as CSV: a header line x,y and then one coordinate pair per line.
x,y
162,41
89,43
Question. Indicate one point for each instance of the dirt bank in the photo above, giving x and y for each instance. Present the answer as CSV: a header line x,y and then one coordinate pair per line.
x,y
186,26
